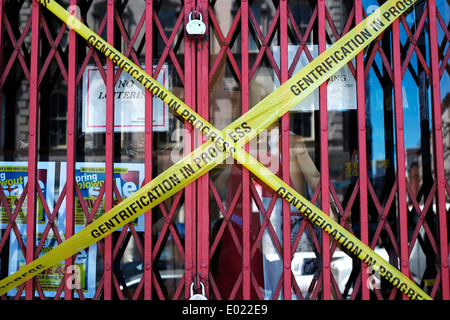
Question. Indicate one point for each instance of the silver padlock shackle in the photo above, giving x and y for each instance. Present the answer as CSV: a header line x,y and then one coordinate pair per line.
x,y
197,296
192,288
200,15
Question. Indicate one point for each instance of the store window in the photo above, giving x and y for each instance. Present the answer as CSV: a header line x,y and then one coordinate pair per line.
x,y
365,148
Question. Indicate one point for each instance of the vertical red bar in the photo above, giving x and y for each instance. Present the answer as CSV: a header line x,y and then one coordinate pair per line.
x,y
109,150
2,4
400,150
148,157
285,155
32,147
438,150
71,145
246,199
190,190
362,152
324,174
202,83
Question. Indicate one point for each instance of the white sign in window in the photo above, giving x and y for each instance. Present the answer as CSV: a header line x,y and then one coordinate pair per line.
x,y
129,103
341,88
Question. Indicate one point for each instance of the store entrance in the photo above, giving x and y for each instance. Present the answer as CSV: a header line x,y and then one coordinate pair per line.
x,y
369,148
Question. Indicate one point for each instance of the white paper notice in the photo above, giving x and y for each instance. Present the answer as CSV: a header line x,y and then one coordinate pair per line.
x,y
129,103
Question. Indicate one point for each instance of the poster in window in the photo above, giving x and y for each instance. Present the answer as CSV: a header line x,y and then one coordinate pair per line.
x,y
129,103
84,266
341,88
90,178
13,180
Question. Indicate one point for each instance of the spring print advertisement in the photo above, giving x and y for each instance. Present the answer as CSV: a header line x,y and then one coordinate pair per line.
x,y
13,182
90,179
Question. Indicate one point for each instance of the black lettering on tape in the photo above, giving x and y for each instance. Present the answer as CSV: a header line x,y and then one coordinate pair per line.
x,y
319,70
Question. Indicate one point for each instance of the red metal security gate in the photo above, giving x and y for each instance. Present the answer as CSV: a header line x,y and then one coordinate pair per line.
x,y
375,159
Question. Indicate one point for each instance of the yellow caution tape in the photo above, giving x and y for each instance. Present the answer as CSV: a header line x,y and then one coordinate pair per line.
x,y
228,142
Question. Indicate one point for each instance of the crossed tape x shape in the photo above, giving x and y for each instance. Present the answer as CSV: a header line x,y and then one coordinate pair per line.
x,y
229,142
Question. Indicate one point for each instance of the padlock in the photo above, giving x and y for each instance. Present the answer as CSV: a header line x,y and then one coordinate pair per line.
x,y
198,296
195,27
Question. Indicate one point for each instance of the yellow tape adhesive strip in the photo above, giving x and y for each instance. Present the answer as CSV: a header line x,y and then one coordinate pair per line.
x,y
228,142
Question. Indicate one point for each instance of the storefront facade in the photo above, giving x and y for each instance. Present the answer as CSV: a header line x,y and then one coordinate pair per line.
x,y
371,148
